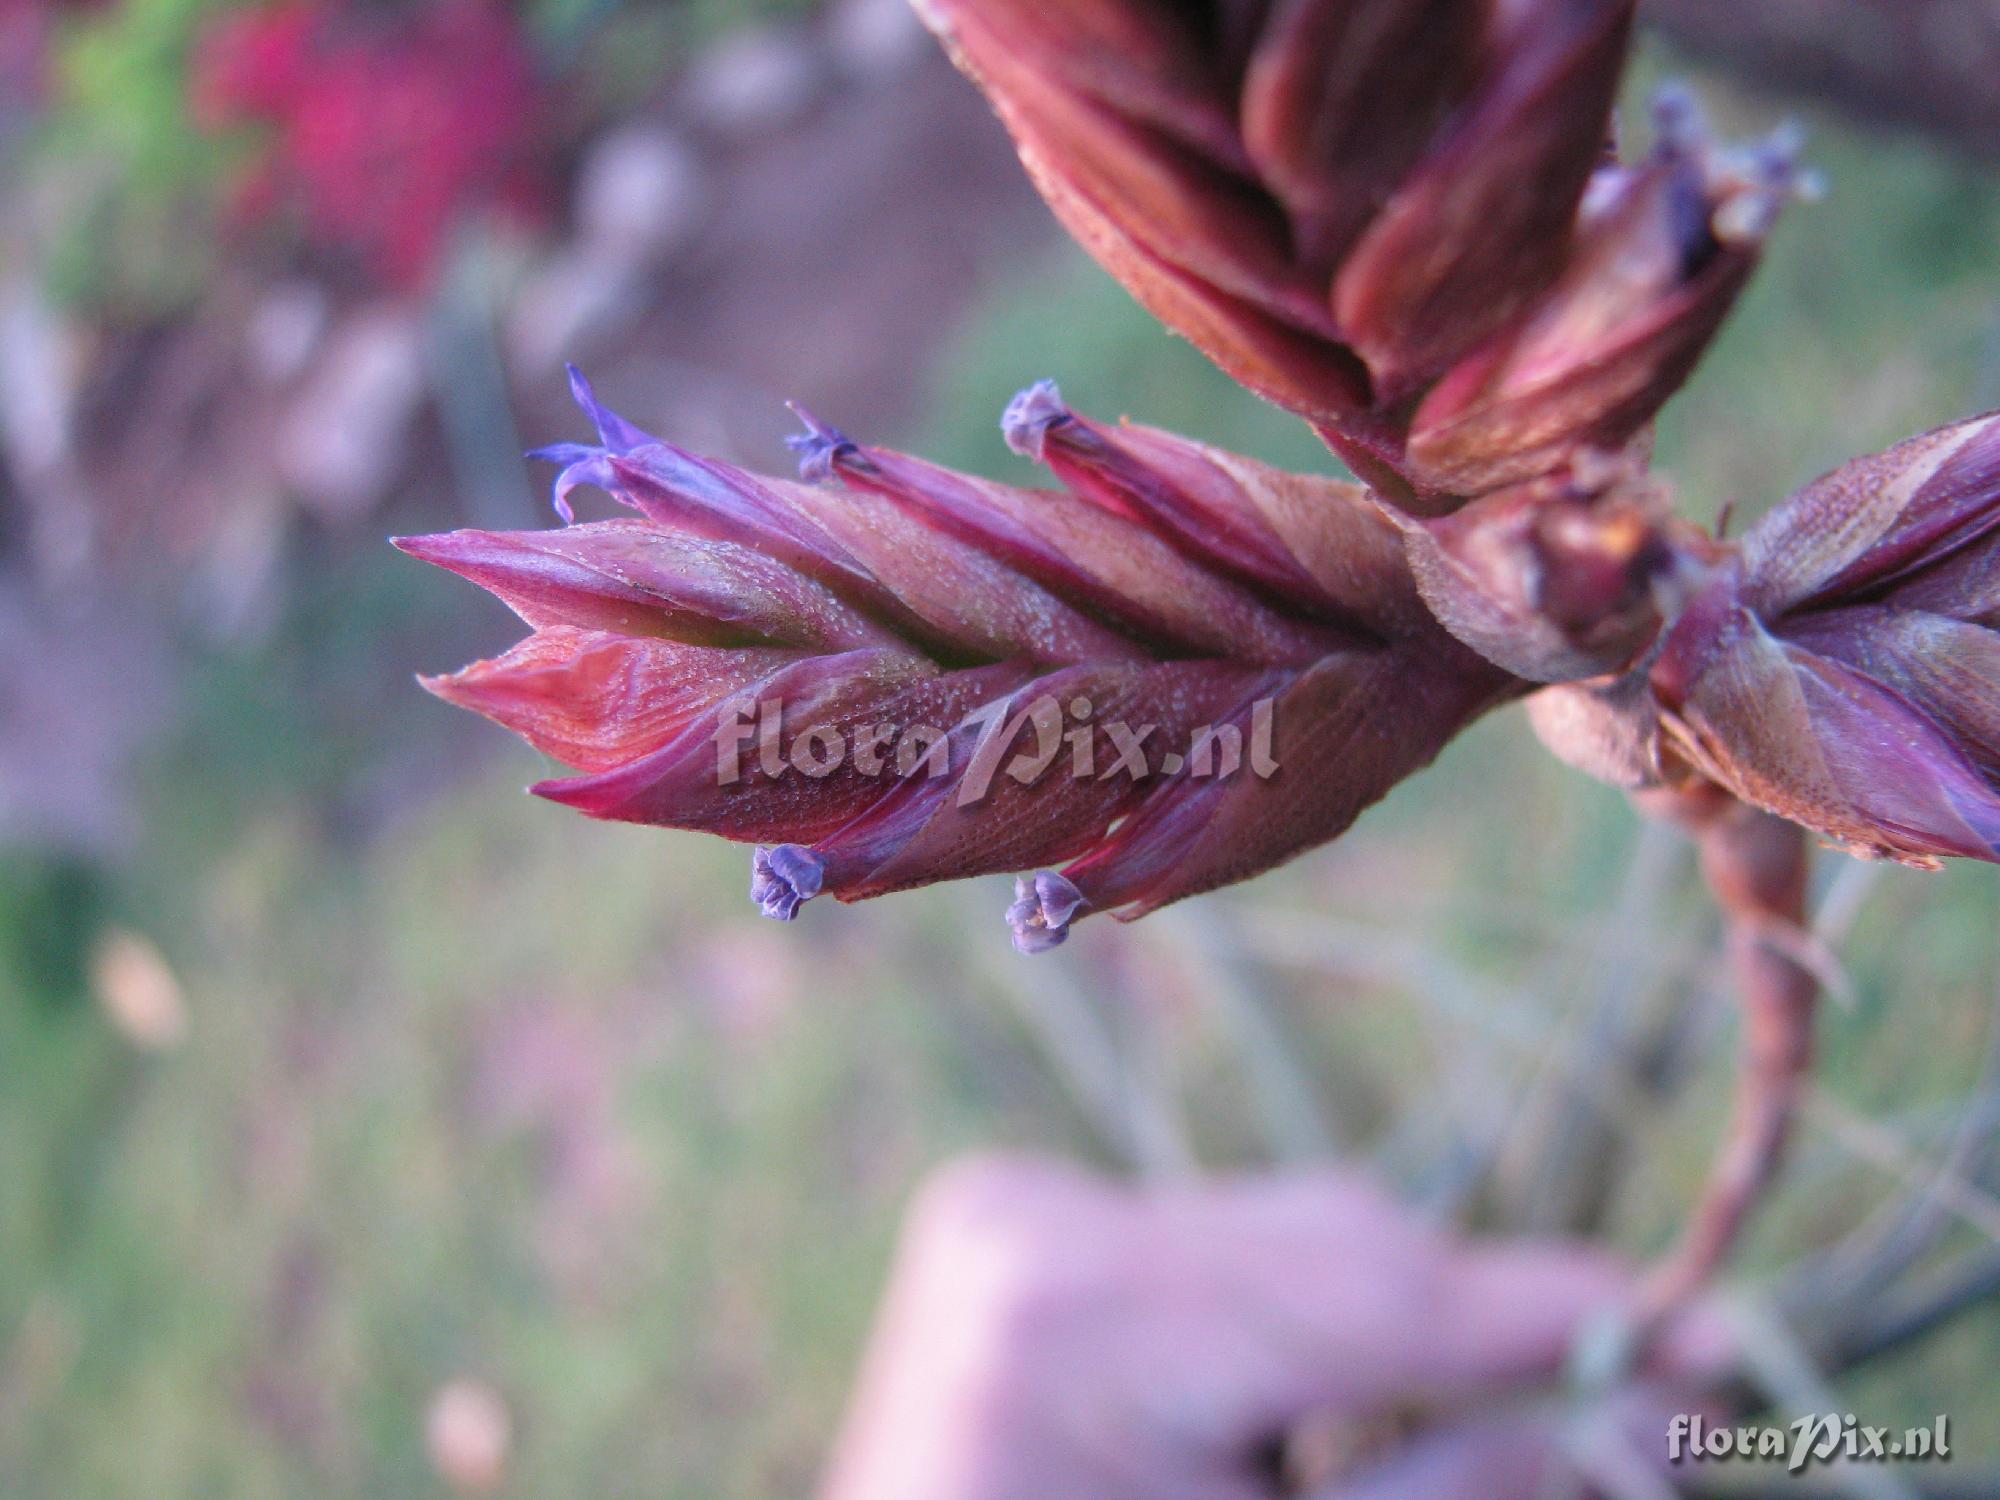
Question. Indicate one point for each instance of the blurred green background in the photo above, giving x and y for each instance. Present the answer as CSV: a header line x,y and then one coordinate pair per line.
x,y
346,1075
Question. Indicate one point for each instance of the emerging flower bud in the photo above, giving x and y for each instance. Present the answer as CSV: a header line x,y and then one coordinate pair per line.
x,y
1180,672
1393,217
1551,580
1661,251
1844,669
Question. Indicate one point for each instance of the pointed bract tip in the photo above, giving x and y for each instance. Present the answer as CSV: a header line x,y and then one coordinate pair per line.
x,y
457,551
1042,911
818,447
783,877
1029,416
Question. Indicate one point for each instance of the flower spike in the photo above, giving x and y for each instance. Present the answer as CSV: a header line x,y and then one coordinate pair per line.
x,y
1393,217
1837,667
1180,670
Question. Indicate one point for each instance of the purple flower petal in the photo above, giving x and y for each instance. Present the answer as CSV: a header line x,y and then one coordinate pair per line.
x,y
1042,911
783,878
817,447
617,434
1029,416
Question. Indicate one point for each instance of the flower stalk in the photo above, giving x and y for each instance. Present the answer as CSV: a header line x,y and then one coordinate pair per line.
x,y
1756,867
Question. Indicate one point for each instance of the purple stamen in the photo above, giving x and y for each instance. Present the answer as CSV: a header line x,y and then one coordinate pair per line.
x,y
1765,176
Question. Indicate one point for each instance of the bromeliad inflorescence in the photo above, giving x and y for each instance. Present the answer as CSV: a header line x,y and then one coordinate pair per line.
x,y
1408,222
1170,605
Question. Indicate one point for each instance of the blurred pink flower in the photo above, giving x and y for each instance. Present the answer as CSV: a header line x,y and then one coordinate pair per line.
x,y
381,132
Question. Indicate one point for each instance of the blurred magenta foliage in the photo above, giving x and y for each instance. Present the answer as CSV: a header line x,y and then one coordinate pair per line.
x,y
362,130
376,131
